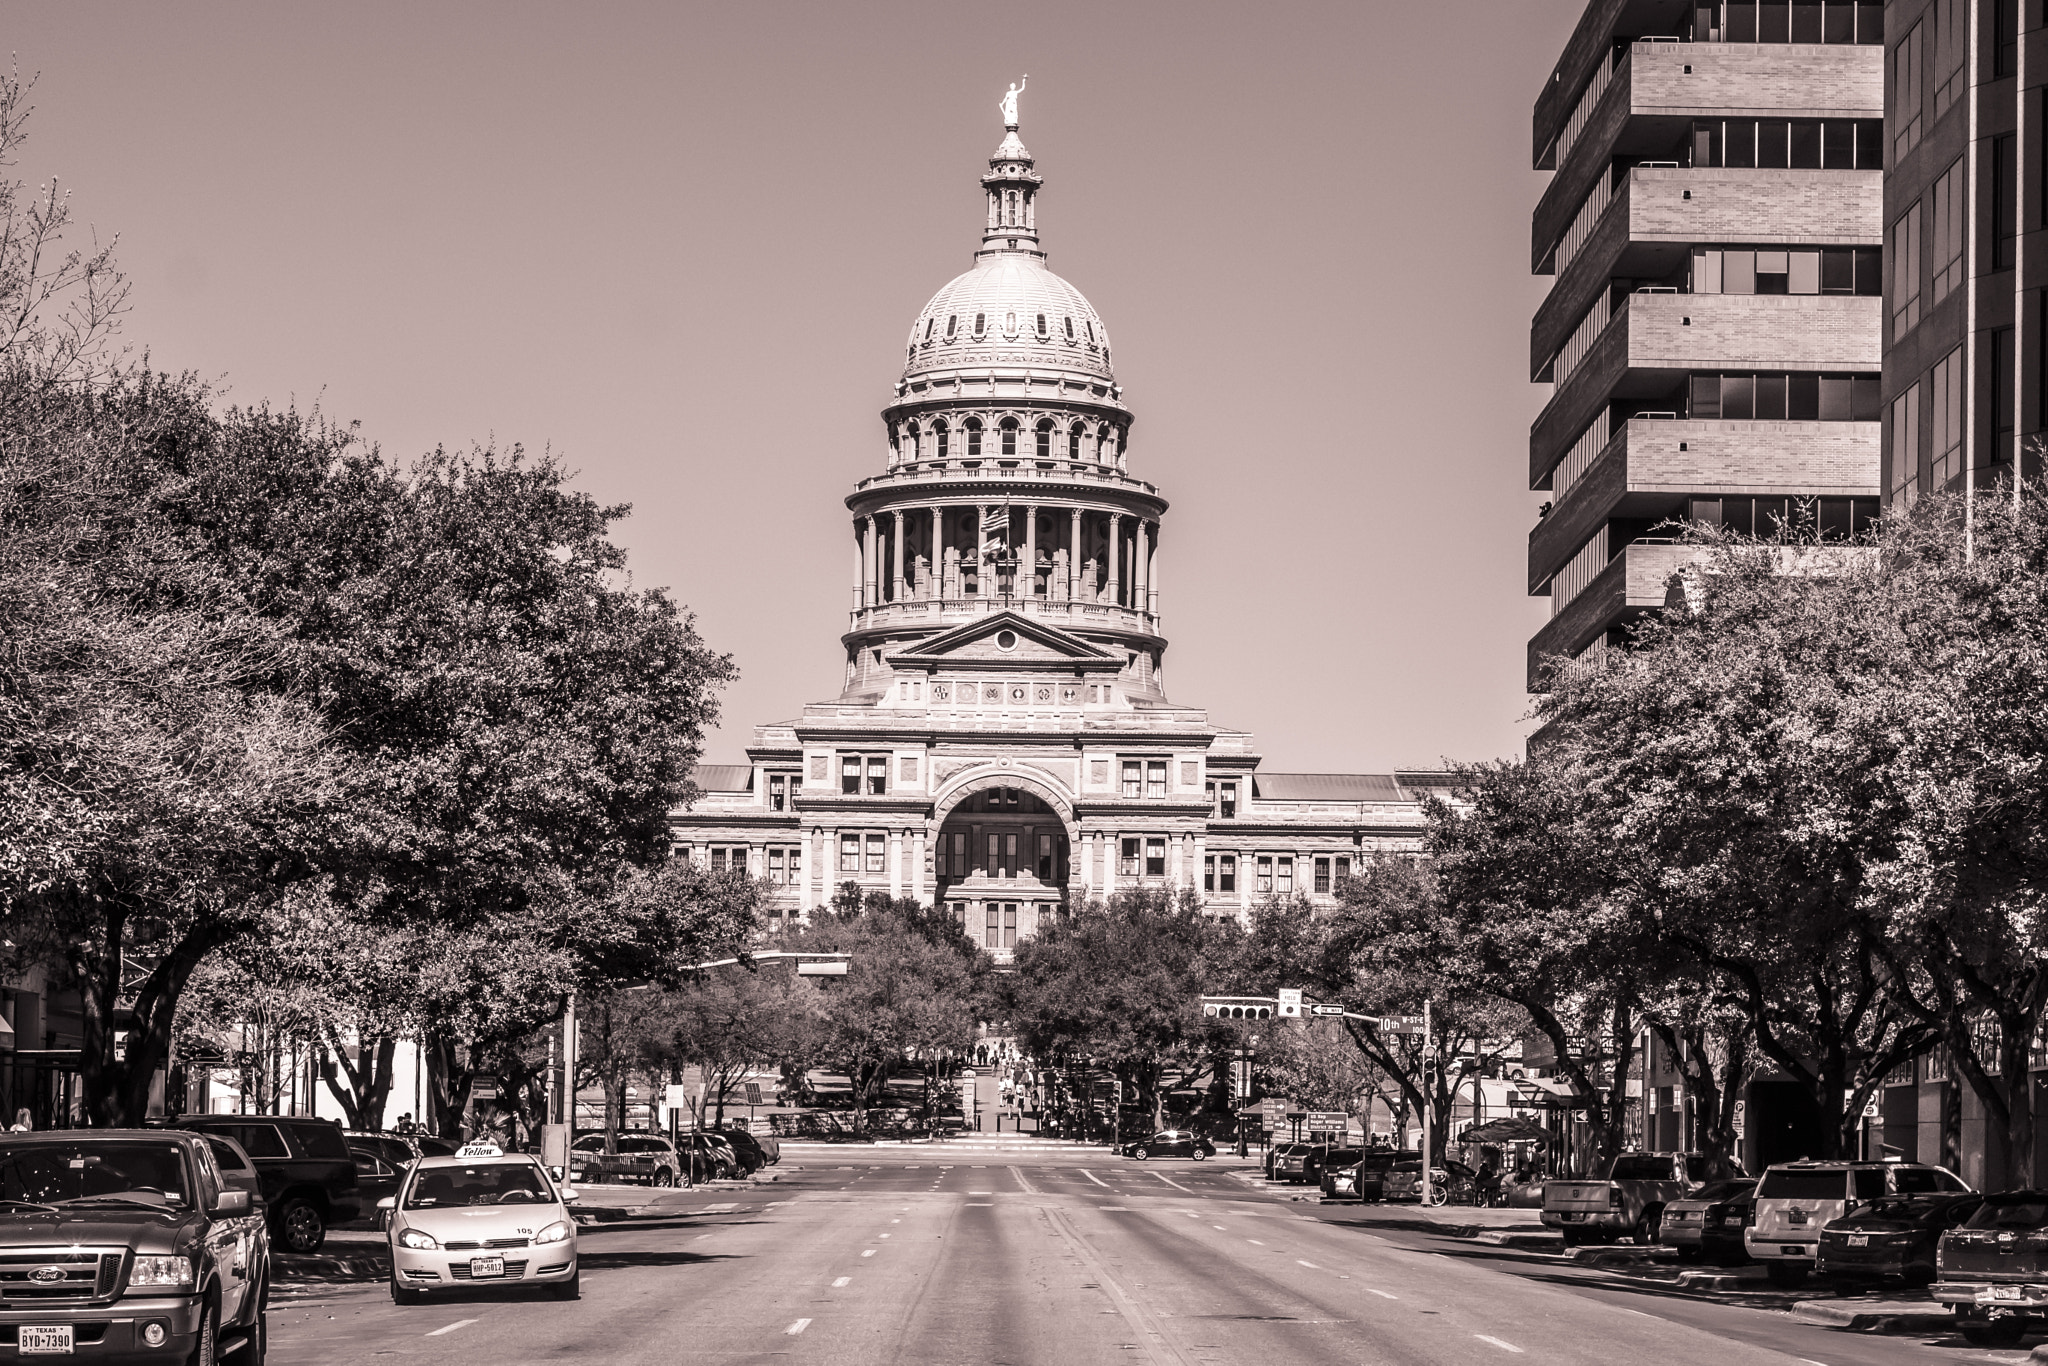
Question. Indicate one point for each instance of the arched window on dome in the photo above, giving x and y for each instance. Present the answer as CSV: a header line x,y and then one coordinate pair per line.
x,y
1009,430
980,325
952,325
1070,329
974,436
1091,330
1044,332
1074,441
1105,445
940,433
1010,208
909,449
1045,439
929,323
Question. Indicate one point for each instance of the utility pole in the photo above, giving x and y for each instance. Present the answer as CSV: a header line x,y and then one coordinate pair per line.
x,y
1428,1101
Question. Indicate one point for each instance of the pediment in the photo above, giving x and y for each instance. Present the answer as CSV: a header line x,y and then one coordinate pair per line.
x,y
1005,640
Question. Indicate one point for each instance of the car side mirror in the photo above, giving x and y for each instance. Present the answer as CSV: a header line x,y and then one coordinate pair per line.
x,y
231,1204
388,1202
570,1197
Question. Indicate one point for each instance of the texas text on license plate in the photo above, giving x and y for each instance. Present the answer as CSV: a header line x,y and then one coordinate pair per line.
x,y
45,1339
482,1268
2001,1292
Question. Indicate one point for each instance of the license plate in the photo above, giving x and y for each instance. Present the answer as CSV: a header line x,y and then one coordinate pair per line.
x,y
1572,1216
484,1268
2000,1292
1859,1240
48,1340
1791,1250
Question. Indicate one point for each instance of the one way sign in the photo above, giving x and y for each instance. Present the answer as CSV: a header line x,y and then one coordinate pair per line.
x,y
1327,1010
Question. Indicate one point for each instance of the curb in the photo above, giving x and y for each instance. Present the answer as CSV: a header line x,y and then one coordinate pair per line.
x,y
309,1266
1866,1321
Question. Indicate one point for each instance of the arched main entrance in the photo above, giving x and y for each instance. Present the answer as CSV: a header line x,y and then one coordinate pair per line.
x,y
1002,864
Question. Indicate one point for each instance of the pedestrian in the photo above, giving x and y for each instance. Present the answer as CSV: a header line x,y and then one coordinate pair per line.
x,y
24,1122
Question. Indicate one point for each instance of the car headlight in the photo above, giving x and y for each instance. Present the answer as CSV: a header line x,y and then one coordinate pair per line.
x,y
161,1271
417,1238
553,1233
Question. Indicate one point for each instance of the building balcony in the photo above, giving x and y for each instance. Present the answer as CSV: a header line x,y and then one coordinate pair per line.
x,y
1654,340
926,614
1656,215
1645,108
1085,478
1638,578
1650,468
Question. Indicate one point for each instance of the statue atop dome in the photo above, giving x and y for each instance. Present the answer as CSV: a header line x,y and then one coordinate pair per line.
x,y
1010,104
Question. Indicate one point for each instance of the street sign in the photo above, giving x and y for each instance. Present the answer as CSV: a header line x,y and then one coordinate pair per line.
x,y
1328,1122
1290,1003
676,1096
825,969
1401,1024
1327,1010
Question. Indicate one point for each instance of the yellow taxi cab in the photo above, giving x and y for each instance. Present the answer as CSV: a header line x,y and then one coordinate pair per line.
x,y
481,1217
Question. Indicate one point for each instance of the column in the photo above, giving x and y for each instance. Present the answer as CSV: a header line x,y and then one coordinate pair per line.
x,y
1028,579
1201,853
1074,558
1175,863
803,871
896,878
917,861
897,592
936,553
1246,868
1109,864
857,563
1116,555
1152,577
1140,562
871,572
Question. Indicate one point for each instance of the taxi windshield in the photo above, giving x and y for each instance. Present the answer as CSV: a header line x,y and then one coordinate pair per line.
x,y
486,1183
93,1173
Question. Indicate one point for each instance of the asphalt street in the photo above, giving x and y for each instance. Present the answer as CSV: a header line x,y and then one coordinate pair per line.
x,y
1062,1259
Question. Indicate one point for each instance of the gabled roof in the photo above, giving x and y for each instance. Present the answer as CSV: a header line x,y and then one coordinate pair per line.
x,y
723,777
974,643
1327,787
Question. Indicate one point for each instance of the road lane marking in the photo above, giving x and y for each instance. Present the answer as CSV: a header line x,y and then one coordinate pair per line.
x,y
842,1282
1096,1179
1173,1183
882,1235
1504,1346
1219,1228
981,1192
1191,1214
1022,1184
700,1237
1149,1338
869,1253
1381,1293
459,1323
1255,1242
1310,1265
979,1204
795,1328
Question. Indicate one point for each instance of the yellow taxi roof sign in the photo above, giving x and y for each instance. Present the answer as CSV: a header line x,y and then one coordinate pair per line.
x,y
480,1150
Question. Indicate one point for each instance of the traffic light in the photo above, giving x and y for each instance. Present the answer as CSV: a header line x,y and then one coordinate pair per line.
x,y
1239,1007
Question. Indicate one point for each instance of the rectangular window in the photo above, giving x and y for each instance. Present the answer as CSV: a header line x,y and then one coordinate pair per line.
x,y
1806,21
849,853
849,775
1905,445
1155,858
1155,779
1127,857
959,842
878,854
1226,795
717,859
1909,62
1134,778
1950,218
1773,21
1208,872
1323,876
1906,272
1226,873
1999,358
2004,200
1343,869
1945,395
1773,272
1773,144
1009,856
1045,865
1951,51
2005,58
778,795
1264,886
1009,924
1284,877
878,775
775,868
1802,274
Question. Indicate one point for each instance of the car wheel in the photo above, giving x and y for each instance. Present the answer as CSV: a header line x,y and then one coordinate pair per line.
x,y
1689,1254
1196,1155
1571,1237
300,1226
664,1177
1648,1224
1994,1332
571,1289
1140,1154
402,1294
257,1345
1785,1275
206,1352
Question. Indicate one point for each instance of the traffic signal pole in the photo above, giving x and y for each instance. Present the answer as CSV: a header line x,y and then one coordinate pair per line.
x,y
1428,1102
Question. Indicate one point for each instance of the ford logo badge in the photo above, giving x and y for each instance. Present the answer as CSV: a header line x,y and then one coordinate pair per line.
x,y
44,1275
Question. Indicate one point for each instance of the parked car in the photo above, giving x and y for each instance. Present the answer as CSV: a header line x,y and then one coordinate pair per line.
x,y
1169,1143
711,1158
1362,1176
1403,1180
649,1158
1322,1158
400,1150
1796,1200
747,1148
375,1178
1991,1271
1891,1239
1626,1200
128,1245
307,1171
1699,1226
1287,1162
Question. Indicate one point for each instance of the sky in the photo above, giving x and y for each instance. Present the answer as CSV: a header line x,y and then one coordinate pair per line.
x,y
681,244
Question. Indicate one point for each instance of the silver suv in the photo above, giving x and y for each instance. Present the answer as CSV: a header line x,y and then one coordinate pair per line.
x,y
1795,1200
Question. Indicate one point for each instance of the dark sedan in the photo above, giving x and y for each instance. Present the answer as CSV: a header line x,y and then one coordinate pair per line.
x,y
375,1178
1170,1143
1892,1238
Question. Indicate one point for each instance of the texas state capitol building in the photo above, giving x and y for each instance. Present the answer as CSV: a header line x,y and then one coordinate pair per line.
x,y
1004,743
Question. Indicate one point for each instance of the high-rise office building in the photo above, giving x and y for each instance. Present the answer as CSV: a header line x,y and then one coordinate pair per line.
x,y
1715,328
1963,339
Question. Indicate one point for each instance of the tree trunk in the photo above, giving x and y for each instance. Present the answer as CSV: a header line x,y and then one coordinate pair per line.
x,y
449,1079
368,1091
116,1090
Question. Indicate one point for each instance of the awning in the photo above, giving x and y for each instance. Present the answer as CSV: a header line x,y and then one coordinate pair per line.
x,y
1553,1091
1513,1129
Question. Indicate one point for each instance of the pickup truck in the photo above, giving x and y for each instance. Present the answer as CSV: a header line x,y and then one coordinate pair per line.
x,y
128,1245
1625,1201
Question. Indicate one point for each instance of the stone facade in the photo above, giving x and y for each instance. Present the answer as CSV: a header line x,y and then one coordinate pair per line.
x,y
1003,744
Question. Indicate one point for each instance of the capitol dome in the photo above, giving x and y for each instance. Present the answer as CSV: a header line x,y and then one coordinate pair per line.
x,y
1009,310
